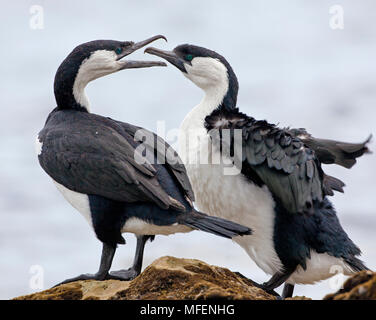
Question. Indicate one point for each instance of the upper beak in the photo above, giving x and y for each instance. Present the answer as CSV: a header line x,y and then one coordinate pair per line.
x,y
170,56
129,64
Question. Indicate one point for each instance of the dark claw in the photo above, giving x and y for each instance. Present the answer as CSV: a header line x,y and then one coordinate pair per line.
x,y
261,286
270,291
85,276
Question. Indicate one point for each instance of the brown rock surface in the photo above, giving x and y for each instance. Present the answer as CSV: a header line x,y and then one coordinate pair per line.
x,y
166,278
361,286
170,278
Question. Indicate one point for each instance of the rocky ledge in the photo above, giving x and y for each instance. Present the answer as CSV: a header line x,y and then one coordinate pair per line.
x,y
166,278
170,278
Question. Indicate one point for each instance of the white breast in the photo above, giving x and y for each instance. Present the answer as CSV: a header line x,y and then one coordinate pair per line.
x,y
321,266
38,146
79,201
140,227
234,198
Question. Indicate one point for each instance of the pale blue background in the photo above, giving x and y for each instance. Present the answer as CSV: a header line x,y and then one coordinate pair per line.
x,y
293,70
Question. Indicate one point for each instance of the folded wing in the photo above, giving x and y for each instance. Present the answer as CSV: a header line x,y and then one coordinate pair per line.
x,y
101,159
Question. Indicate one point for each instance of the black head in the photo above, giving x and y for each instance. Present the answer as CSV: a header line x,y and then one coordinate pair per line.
x,y
92,60
206,68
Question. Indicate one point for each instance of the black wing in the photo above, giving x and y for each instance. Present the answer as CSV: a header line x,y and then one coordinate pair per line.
x,y
331,151
167,154
281,161
94,155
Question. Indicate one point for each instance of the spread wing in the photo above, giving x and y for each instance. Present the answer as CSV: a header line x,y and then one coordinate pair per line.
x,y
98,157
279,160
331,151
289,169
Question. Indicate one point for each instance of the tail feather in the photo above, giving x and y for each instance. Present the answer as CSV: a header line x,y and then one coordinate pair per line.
x,y
218,226
330,184
356,264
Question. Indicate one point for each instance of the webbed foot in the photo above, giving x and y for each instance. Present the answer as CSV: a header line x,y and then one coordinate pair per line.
x,y
85,276
125,275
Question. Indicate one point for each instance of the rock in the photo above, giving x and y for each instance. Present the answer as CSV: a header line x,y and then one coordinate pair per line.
x,y
361,286
299,298
166,278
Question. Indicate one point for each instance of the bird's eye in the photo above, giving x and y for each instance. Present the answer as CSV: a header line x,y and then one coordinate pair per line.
x,y
118,50
189,57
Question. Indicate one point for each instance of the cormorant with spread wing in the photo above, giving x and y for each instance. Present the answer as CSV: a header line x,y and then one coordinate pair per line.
x,y
281,191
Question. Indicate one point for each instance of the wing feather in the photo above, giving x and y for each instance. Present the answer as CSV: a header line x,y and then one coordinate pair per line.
x,y
289,169
98,158
331,151
165,152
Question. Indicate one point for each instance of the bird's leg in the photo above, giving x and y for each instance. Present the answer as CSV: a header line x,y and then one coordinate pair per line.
x,y
135,270
108,252
276,280
261,286
288,290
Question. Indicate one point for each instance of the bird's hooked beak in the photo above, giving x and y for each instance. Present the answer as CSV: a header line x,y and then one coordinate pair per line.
x,y
131,64
169,56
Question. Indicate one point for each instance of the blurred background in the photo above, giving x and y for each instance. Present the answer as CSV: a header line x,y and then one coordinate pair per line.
x,y
293,69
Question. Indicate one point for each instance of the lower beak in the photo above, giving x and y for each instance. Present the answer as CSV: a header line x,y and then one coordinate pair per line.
x,y
169,56
131,64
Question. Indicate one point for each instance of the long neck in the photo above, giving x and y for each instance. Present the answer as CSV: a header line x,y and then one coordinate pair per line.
x,y
69,87
213,99
221,96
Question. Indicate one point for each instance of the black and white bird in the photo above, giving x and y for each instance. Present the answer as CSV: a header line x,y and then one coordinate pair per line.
x,y
94,162
280,189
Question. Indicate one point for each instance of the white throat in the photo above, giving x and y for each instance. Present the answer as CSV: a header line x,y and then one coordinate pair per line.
x,y
99,64
215,88
79,90
212,99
